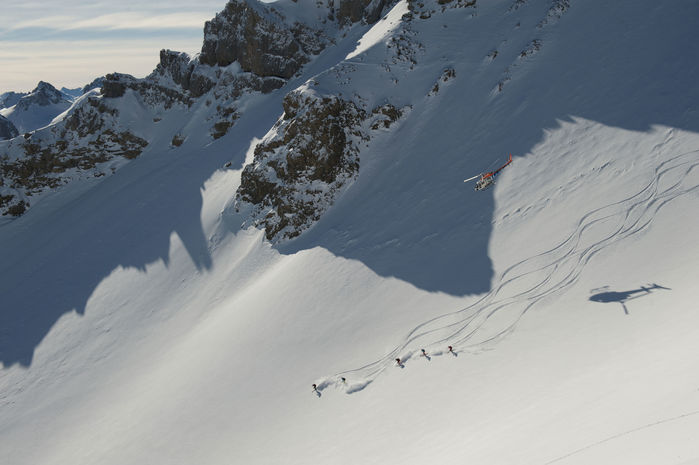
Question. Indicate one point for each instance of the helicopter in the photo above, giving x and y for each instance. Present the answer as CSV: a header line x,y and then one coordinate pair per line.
x,y
487,179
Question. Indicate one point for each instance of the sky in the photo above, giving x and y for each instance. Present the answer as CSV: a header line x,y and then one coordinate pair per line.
x,y
71,42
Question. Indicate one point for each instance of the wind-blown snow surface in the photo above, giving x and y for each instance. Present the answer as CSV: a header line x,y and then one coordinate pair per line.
x,y
147,328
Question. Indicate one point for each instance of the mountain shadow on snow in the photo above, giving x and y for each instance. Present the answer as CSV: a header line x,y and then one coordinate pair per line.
x,y
413,219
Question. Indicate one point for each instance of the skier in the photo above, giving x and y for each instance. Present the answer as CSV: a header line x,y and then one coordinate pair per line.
x,y
344,381
451,350
315,388
399,363
424,354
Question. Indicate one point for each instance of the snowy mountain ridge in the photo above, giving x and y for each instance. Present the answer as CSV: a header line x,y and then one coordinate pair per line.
x,y
276,233
224,72
37,108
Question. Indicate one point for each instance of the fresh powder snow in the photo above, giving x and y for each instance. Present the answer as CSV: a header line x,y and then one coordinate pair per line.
x,y
139,323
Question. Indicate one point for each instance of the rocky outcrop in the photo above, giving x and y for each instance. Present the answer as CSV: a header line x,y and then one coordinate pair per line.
x,y
356,10
150,91
260,38
248,33
37,162
179,69
311,154
297,172
177,65
7,129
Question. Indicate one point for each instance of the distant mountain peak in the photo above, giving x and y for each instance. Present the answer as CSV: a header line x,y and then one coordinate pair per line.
x,y
44,94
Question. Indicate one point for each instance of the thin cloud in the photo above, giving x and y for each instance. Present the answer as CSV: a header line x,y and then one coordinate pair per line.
x,y
118,21
70,42
76,63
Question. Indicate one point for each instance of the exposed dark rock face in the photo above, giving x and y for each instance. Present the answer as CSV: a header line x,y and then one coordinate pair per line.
x,y
7,129
357,10
313,155
296,173
182,71
152,93
114,85
177,65
89,136
263,42
260,43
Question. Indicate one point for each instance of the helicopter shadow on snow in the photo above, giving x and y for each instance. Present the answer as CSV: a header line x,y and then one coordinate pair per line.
x,y
622,297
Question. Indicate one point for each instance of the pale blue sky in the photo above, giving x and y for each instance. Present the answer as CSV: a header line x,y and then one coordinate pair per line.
x,y
71,42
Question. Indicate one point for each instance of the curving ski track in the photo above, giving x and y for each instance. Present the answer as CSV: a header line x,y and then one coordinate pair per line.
x,y
526,283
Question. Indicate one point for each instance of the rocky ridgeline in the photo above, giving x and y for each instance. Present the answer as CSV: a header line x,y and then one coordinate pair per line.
x,y
306,160
423,9
264,42
248,47
259,41
47,159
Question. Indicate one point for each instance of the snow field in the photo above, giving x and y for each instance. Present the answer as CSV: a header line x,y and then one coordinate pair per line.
x,y
204,349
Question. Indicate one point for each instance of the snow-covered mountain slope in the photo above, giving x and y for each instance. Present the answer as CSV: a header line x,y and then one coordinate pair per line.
x,y
8,99
38,108
248,48
7,129
141,323
72,93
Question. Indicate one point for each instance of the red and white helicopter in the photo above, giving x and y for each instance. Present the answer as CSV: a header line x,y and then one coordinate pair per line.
x,y
488,179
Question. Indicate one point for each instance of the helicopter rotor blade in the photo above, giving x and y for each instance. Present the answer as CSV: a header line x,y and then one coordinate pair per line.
x,y
470,179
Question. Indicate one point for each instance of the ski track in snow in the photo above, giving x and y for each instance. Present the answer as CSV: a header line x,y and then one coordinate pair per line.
x,y
547,274
622,434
